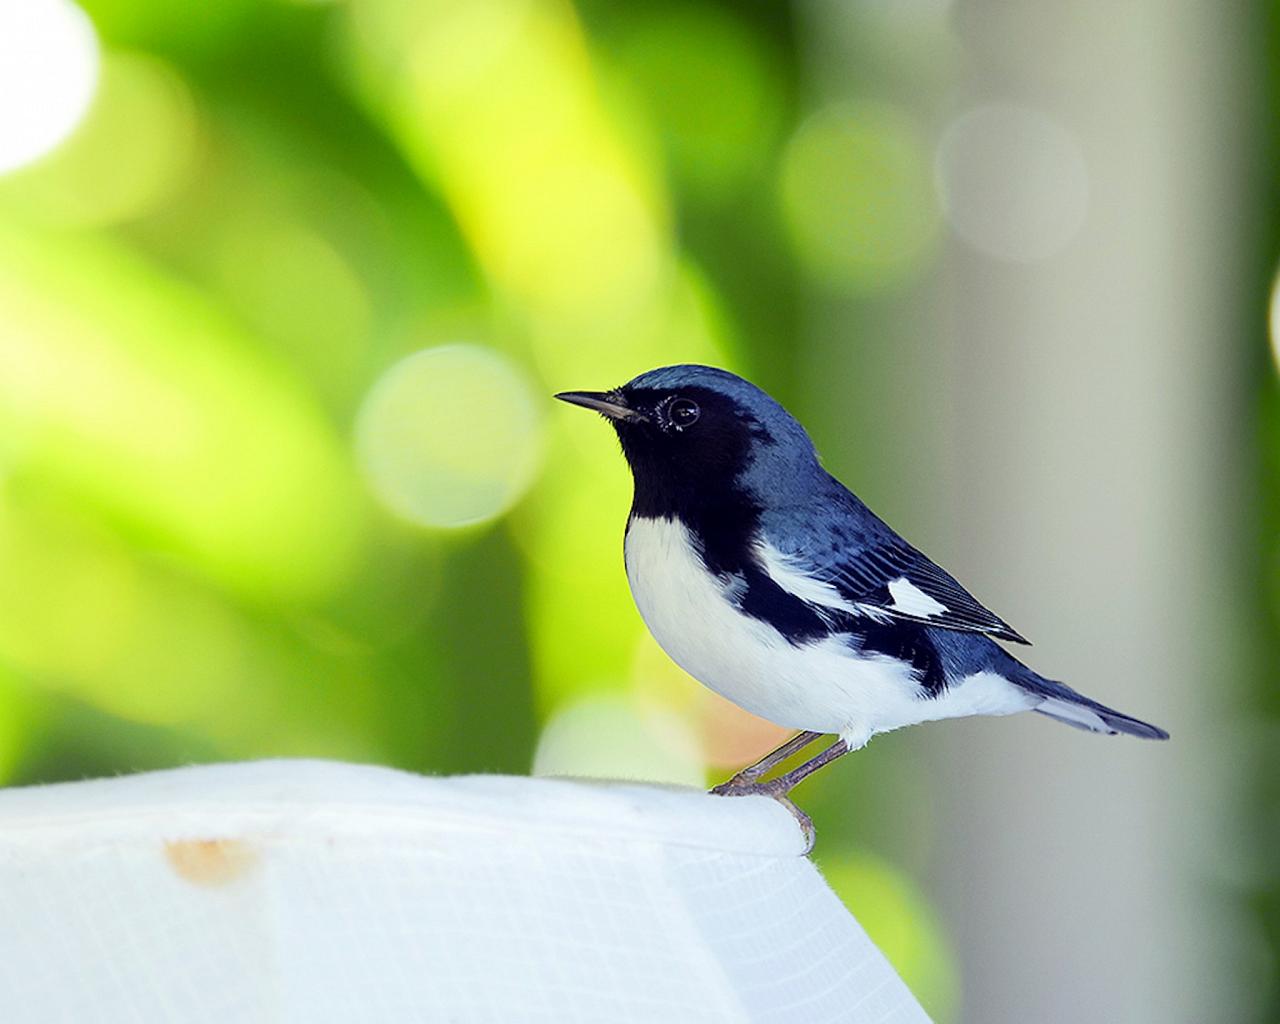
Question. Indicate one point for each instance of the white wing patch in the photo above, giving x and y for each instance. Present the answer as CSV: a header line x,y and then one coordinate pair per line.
x,y
908,599
911,600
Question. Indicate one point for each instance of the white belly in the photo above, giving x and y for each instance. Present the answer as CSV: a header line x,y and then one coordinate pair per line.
x,y
822,686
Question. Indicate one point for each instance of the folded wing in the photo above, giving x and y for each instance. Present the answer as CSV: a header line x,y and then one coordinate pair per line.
x,y
854,563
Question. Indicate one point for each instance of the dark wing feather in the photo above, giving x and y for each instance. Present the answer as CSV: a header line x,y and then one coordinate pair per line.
x,y
863,578
840,542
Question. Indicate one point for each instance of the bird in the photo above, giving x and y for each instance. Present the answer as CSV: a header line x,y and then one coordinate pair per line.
x,y
771,583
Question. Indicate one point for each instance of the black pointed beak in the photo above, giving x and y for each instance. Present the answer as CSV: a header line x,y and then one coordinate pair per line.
x,y
609,404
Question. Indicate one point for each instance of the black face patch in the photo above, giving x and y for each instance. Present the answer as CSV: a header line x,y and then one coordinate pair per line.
x,y
686,470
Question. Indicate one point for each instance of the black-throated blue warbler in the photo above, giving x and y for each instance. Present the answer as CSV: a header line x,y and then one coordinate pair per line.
x,y
767,580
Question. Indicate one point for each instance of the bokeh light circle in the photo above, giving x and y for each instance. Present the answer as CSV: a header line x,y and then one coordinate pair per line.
x,y
856,196
610,736
1012,182
48,71
450,436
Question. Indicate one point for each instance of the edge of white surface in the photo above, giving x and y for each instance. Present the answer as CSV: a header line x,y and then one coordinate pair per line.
x,y
325,798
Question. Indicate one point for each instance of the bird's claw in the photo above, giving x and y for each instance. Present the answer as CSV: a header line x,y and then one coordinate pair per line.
x,y
741,784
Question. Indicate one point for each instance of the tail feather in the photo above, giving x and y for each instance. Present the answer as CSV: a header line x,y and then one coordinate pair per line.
x,y
1063,704
1097,718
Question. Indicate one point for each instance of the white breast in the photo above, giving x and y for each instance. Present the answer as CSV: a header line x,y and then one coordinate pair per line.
x,y
824,685
816,686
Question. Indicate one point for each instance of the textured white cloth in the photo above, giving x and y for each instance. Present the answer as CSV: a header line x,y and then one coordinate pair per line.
x,y
313,892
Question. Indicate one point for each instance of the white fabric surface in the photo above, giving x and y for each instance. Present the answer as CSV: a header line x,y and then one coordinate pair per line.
x,y
305,891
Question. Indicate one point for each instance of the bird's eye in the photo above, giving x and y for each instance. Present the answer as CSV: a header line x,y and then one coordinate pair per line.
x,y
682,412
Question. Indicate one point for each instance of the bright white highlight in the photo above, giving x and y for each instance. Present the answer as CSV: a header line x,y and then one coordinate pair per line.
x,y
1012,182
911,600
48,71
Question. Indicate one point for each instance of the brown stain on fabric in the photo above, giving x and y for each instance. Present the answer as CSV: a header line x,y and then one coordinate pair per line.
x,y
210,862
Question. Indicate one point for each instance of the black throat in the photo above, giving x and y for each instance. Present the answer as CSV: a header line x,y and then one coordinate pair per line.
x,y
701,488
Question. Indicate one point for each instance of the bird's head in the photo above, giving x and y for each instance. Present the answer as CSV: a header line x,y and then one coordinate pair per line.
x,y
695,435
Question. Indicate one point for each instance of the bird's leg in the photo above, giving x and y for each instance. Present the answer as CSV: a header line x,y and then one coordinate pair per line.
x,y
752,772
778,788
783,784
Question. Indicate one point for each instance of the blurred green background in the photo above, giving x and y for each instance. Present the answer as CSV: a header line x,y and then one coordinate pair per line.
x,y
285,288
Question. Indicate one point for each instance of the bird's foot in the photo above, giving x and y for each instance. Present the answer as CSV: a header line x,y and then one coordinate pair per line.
x,y
777,790
742,784
737,786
